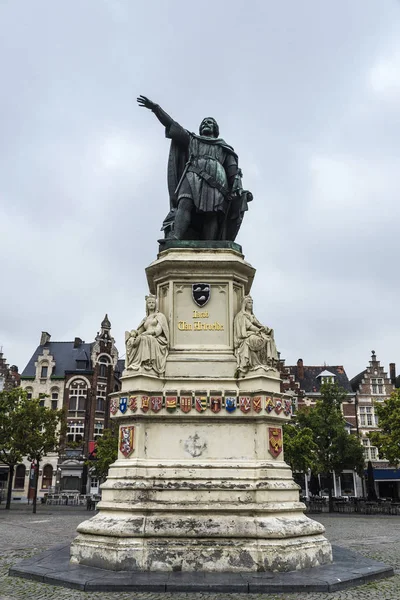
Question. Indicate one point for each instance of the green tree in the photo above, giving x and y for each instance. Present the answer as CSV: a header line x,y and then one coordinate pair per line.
x,y
42,436
334,450
299,447
387,440
106,453
12,437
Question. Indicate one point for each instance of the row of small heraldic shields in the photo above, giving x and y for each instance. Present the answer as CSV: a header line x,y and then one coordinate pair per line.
x,y
201,403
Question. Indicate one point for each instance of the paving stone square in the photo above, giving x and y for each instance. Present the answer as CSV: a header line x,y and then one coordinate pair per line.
x,y
23,534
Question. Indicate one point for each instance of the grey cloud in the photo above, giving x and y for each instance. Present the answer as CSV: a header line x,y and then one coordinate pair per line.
x,y
305,92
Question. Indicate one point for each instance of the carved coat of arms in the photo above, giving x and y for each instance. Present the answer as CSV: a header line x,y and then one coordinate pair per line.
x,y
201,293
145,404
278,406
200,403
123,404
126,440
245,404
269,405
113,406
257,400
287,407
170,403
156,403
215,403
230,404
275,442
186,404
132,403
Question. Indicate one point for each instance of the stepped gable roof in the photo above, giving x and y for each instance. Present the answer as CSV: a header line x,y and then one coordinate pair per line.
x,y
311,382
64,354
355,382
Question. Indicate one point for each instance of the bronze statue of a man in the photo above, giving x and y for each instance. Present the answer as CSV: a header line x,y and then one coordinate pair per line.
x,y
207,200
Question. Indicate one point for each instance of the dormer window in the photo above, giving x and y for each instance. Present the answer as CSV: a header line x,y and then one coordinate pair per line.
x,y
326,377
81,365
44,371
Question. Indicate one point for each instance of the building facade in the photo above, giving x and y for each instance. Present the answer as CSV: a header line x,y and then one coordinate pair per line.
x,y
305,384
78,377
9,379
371,387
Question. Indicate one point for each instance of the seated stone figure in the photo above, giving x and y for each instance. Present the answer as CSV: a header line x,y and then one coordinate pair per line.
x,y
147,346
254,344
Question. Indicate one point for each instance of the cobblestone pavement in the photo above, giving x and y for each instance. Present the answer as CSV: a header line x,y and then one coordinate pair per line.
x,y
23,534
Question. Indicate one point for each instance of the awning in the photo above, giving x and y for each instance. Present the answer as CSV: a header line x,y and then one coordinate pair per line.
x,y
71,472
386,474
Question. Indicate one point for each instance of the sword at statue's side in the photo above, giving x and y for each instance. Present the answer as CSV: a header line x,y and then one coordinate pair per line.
x,y
185,170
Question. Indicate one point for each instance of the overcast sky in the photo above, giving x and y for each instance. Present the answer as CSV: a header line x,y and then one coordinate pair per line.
x,y
308,93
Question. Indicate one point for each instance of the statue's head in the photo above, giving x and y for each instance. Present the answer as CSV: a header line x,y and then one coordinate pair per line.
x,y
247,304
209,127
151,304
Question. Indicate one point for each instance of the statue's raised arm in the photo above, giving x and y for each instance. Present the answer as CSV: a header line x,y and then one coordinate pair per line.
x,y
207,200
161,115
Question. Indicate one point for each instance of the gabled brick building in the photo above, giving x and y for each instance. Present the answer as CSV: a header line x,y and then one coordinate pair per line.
x,y
78,377
372,386
305,383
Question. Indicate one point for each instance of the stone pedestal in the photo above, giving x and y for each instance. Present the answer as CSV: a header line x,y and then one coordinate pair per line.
x,y
200,483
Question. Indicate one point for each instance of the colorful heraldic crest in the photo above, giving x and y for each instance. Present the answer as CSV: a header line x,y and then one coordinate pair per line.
x,y
186,404
200,403
287,406
257,407
245,404
230,403
156,403
113,406
123,404
145,404
170,403
275,441
216,403
132,403
278,406
201,293
269,404
126,440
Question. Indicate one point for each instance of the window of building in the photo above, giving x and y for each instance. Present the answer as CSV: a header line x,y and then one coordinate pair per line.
x,y
101,397
54,404
98,429
19,481
81,365
43,372
29,393
367,416
41,402
100,404
75,431
377,386
104,362
47,478
370,452
77,396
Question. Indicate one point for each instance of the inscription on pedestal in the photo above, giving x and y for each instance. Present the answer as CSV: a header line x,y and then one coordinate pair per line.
x,y
196,326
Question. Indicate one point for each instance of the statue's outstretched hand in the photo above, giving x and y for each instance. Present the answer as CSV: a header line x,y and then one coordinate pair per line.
x,y
145,102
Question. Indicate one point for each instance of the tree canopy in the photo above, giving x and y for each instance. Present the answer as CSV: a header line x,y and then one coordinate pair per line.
x,y
387,440
27,429
105,454
318,439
